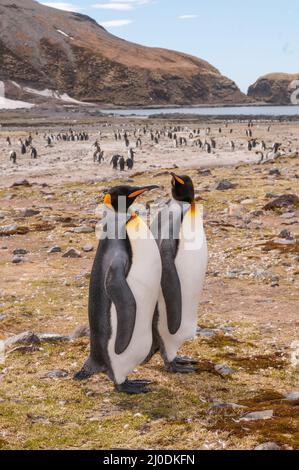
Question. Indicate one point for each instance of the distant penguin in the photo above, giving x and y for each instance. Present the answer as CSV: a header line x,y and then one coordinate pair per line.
x,y
124,288
13,157
114,161
180,236
122,164
130,163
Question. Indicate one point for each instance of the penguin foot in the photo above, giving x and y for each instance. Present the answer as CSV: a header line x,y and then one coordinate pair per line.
x,y
83,374
182,360
133,387
176,368
89,369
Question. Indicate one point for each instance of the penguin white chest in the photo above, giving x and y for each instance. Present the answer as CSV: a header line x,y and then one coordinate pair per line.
x,y
144,281
191,264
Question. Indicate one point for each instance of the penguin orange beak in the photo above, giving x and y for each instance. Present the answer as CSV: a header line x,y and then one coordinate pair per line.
x,y
177,178
140,191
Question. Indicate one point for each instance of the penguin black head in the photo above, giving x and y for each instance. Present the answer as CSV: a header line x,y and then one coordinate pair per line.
x,y
182,188
121,198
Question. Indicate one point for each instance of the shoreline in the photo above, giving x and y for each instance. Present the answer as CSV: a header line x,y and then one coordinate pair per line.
x,y
191,106
45,118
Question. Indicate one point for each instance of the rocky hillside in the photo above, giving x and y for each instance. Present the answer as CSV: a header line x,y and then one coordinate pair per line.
x,y
273,88
42,48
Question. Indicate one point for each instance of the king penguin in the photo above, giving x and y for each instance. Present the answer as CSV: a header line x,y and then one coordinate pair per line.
x,y
124,288
179,232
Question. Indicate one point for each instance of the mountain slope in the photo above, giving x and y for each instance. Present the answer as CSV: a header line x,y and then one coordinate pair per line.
x,y
273,88
44,47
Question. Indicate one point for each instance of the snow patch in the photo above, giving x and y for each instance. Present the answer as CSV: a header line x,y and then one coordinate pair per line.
x,y
64,34
47,93
16,85
53,94
5,103
65,97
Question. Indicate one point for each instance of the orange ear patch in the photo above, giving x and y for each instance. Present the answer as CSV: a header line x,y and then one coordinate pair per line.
x,y
107,200
179,180
137,193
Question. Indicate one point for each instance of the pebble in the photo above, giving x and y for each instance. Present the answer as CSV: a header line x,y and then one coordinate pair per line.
x,y
84,229
206,172
274,172
20,251
51,337
20,183
223,370
57,374
288,215
17,260
247,202
28,337
72,253
81,332
286,235
285,201
224,185
268,446
9,229
55,249
258,415
206,332
28,212
88,248
292,398
223,406
68,234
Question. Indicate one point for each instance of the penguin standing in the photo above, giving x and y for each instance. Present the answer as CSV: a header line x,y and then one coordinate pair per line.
x,y
180,236
124,288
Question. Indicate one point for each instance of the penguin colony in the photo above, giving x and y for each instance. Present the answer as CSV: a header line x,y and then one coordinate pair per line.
x,y
134,138
145,286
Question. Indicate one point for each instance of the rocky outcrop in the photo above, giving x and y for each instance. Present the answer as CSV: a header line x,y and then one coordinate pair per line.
x,y
45,48
274,88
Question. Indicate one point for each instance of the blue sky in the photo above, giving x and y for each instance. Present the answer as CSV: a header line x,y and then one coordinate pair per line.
x,y
244,40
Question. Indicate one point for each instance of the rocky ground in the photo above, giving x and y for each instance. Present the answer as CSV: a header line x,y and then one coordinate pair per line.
x,y
245,391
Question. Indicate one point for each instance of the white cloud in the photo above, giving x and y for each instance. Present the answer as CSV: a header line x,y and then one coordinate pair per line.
x,y
113,6
62,6
115,23
121,5
187,17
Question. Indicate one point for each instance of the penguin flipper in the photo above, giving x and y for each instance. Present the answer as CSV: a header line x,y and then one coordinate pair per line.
x,y
171,288
122,297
